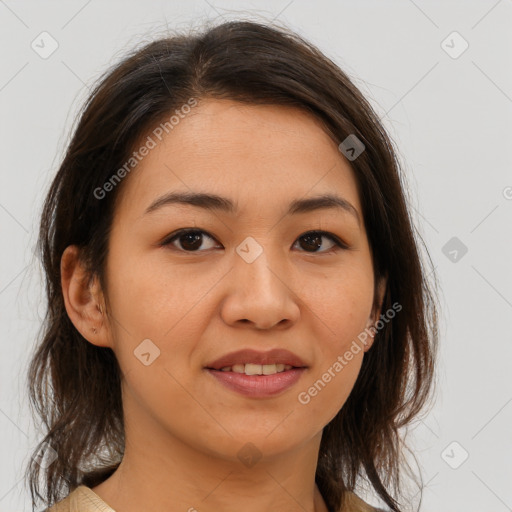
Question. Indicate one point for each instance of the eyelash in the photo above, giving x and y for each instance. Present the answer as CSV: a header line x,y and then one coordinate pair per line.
x,y
177,234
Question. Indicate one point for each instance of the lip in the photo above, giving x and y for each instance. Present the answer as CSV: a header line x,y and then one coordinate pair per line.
x,y
258,386
275,356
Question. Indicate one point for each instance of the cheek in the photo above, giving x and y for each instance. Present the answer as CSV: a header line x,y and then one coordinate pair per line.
x,y
340,355
164,304
342,309
342,304
328,391
151,299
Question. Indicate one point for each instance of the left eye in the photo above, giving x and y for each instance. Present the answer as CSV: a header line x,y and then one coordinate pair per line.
x,y
191,240
314,239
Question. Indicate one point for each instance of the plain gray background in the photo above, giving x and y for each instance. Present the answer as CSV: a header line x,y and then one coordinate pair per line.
x,y
450,114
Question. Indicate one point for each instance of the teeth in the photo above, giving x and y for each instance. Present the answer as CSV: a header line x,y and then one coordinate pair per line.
x,y
257,369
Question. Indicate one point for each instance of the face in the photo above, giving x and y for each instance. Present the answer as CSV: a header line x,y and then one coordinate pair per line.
x,y
191,283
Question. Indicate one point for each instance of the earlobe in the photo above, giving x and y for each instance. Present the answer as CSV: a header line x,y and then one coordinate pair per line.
x,y
370,332
83,298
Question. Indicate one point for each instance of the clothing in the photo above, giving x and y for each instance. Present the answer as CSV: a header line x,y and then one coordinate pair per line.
x,y
84,499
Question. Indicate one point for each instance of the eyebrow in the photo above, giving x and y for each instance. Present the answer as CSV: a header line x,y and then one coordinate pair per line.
x,y
213,202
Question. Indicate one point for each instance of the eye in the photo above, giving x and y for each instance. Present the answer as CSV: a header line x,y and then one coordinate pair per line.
x,y
314,240
191,240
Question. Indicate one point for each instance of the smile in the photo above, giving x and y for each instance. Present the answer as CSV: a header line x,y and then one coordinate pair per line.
x,y
257,369
257,385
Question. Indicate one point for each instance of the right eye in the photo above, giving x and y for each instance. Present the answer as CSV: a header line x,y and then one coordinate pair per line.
x,y
189,239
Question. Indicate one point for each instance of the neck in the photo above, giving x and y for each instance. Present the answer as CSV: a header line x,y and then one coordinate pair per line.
x,y
159,472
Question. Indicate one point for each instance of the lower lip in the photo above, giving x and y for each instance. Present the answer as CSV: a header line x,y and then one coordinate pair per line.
x,y
258,386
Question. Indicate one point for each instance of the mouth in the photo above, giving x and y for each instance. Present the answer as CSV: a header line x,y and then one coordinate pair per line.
x,y
253,362
256,369
258,374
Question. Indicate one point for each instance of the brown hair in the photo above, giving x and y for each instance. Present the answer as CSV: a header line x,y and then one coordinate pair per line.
x,y
75,387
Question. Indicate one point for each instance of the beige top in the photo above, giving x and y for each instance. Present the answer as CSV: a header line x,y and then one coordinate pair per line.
x,y
84,499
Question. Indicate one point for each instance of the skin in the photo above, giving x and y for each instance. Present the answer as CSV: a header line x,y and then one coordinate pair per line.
x,y
183,428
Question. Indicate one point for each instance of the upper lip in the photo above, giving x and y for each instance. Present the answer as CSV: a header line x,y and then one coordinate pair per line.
x,y
276,356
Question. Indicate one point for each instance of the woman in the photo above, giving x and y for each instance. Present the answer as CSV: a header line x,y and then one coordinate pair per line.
x,y
205,349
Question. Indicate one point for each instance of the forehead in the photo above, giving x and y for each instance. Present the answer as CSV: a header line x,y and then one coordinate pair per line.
x,y
255,154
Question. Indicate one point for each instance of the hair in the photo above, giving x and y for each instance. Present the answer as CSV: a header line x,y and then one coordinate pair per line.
x,y
75,386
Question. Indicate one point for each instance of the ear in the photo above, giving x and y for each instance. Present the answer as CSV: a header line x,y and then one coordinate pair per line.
x,y
380,291
83,299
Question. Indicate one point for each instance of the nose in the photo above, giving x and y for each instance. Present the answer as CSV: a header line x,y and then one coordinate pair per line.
x,y
261,294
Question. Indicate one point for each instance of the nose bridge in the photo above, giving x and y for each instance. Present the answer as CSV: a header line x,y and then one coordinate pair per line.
x,y
261,293
259,263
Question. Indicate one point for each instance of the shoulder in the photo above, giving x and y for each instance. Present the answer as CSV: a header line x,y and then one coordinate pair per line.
x,y
63,505
82,499
354,503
